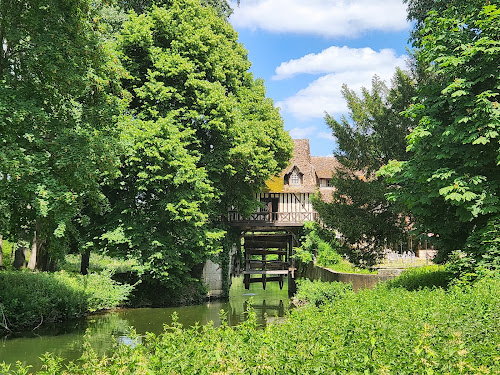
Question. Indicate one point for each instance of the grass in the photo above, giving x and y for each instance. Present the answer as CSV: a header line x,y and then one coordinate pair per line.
x,y
99,263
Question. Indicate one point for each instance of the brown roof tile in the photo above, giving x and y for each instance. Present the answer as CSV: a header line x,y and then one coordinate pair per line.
x,y
324,165
307,165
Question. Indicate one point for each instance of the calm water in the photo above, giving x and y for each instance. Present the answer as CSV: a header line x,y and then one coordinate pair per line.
x,y
66,340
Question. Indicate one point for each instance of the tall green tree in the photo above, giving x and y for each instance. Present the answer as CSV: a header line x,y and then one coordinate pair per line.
x,y
452,181
373,134
200,138
56,114
222,7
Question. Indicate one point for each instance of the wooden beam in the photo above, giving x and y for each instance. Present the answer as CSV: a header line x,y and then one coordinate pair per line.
x,y
265,272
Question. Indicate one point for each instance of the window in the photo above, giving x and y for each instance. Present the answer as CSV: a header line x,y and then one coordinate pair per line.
x,y
295,178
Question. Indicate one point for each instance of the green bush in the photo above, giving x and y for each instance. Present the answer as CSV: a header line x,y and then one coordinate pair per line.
x,y
28,299
100,263
380,331
319,293
433,276
321,244
6,250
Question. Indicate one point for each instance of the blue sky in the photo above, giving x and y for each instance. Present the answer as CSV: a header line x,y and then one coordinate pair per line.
x,y
306,49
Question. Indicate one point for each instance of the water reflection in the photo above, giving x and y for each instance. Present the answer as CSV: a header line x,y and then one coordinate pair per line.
x,y
66,340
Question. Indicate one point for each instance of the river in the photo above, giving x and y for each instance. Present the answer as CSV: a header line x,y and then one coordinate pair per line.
x,y
66,339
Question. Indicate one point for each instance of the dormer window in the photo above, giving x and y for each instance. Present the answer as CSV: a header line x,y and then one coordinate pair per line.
x,y
294,178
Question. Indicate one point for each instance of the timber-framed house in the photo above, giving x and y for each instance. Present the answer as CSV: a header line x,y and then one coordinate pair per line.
x,y
286,201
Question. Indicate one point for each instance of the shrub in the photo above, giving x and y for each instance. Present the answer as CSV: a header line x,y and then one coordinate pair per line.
x,y
318,293
433,276
321,244
380,331
28,299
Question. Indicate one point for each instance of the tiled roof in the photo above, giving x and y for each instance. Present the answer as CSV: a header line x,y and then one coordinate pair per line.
x,y
324,165
310,167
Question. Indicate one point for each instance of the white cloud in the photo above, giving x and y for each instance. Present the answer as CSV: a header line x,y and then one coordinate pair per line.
x,y
326,135
355,67
338,59
330,18
300,133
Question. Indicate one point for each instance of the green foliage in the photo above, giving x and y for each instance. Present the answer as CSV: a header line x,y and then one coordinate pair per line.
x,y
374,133
451,182
319,293
199,137
321,245
28,299
422,277
99,264
381,331
7,248
59,98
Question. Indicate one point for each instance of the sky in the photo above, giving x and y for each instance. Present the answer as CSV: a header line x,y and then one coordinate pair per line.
x,y
305,50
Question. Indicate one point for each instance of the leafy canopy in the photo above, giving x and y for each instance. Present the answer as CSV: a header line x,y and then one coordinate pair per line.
x,y
58,100
452,181
200,137
373,135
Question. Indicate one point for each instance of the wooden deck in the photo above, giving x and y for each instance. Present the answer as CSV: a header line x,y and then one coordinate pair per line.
x,y
271,219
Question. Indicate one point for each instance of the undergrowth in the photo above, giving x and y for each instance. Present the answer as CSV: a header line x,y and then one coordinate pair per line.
x,y
380,331
29,299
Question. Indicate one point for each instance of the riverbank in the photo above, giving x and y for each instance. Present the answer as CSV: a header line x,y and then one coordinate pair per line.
x,y
384,330
66,339
31,299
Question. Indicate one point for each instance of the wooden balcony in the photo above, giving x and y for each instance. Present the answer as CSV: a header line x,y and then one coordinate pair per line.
x,y
271,219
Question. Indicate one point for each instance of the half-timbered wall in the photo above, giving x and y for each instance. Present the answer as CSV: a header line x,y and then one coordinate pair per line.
x,y
290,202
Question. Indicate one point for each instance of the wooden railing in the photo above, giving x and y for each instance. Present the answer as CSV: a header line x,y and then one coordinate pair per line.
x,y
273,217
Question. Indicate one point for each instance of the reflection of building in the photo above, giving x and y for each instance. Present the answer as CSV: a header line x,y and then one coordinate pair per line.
x,y
287,198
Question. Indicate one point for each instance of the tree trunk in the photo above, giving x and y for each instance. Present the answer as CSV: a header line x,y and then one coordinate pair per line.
x,y
34,248
84,264
1,251
20,257
44,261
12,248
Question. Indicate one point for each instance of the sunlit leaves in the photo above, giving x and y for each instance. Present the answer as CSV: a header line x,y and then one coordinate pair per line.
x,y
456,143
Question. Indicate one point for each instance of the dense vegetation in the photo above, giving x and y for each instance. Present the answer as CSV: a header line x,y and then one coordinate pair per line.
x,y
381,331
57,296
372,135
451,182
125,130
320,245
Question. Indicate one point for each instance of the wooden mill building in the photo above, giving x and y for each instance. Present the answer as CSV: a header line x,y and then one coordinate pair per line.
x,y
269,232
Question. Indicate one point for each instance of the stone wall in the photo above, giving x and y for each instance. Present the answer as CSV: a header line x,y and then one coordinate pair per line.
x,y
214,276
312,272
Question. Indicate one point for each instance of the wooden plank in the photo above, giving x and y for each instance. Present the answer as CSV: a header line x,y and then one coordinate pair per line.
x,y
260,279
264,251
266,237
265,272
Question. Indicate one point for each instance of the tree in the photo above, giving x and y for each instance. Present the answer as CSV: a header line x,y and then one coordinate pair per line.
x,y
374,134
452,181
222,7
200,137
56,115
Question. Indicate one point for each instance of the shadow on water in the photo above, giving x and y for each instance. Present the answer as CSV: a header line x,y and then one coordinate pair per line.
x,y
66,340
